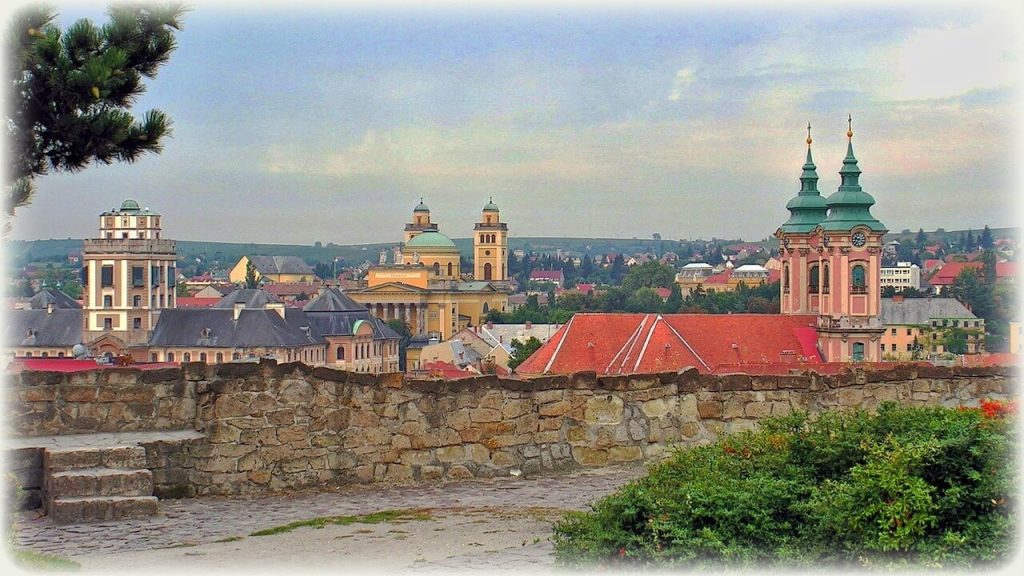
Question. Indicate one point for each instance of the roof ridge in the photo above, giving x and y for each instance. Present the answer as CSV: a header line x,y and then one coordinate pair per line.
x,y
554,354
647,341
628,343
687,344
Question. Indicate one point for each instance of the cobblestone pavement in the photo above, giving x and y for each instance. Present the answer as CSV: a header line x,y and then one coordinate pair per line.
x,y
497,525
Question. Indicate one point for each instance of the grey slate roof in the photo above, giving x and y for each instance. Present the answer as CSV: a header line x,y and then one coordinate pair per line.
x,y
475,286
333,300
335,314
280,265
251,297
255,327
61,327
920,311
54,296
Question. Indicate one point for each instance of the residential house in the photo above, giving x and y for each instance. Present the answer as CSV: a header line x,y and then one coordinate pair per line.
x,y
923,327
51,326
278,269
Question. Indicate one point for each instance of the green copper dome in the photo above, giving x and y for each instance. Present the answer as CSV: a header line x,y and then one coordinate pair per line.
x,y
490,206
129,205
850,206
431,240
421,207
808,208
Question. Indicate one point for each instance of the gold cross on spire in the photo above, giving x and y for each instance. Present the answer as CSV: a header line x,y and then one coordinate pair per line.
x,y
808,134
849,130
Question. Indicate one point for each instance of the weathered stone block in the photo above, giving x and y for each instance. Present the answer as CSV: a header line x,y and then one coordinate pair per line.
x,y
451,454
603,409
485,415
709,409
758,410
515,408
587,456
431,473
625,454
459,472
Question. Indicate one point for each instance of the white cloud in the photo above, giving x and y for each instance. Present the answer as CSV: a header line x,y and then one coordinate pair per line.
x,y
951,61
683,79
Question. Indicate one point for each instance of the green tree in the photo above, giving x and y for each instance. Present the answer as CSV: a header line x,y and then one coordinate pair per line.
x,y
674,300
71,92
644,300
405,331
986,239
922,239
251,281
650,274
522,350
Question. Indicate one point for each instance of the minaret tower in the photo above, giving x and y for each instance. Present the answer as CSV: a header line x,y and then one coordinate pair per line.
x,y
490,246
420,222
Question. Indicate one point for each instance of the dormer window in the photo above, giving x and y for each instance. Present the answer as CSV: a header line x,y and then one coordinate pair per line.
x,y
32,332
204,333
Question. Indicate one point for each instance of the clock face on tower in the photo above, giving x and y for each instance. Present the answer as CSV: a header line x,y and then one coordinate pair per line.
x,y
859,239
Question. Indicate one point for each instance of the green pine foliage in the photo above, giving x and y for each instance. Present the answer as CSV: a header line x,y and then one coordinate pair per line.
x,y
71,91
903,488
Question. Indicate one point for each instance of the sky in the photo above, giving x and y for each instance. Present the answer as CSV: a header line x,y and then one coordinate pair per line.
x,y
302,122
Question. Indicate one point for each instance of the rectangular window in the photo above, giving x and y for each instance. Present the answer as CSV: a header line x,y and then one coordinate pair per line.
x,y
108,301
893,332
910,347
908,332
85,276
108,323
138,276
136,323
107,276
154,276
170,277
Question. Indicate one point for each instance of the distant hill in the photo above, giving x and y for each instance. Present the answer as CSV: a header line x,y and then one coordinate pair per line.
x,y
23,251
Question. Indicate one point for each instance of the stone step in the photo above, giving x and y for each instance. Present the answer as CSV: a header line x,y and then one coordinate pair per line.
x,y
101,482
125,457
98,509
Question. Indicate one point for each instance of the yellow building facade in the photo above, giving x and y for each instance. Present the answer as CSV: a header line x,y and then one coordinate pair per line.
x,y
425,286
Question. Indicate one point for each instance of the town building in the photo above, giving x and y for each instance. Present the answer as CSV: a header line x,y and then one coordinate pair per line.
x,y
702,276
554,277
902,275
831,262
128,279
51,326
424,285
919,328
278,269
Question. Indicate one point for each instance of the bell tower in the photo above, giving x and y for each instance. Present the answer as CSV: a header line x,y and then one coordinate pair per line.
x,y
420,222
831,251
490,246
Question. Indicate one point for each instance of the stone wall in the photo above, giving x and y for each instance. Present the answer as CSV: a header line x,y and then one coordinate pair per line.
x,y
110,400
276,427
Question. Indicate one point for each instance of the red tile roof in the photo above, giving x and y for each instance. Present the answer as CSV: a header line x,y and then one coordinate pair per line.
x,y
584,288
948,273
72,365
993,359
664,293
554,275
447,370
626,343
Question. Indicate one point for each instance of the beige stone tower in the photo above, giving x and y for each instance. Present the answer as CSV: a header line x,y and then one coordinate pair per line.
x,y
490,246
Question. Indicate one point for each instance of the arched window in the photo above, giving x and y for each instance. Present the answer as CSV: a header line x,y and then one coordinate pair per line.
x,y
340,353
170,356
236,356
858,352
486,308
449,268
858,279
482,239
437,268
824,279
785,277
28,354
487,271
202,356
186,357
45,354
812,282
219,357
137,301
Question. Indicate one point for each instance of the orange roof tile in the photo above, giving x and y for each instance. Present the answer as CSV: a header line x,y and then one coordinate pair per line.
x,y
629,343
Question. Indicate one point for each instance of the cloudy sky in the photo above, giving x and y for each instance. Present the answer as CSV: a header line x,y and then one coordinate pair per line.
x,y
308,122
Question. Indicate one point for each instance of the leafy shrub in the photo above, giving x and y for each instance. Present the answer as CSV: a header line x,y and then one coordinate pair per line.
x,y
900,488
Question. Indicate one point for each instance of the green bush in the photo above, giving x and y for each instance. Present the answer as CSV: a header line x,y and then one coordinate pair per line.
x,y
903,487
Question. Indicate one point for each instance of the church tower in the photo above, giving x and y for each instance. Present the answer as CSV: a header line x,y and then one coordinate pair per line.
x,y
833,269
420,222
490,246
